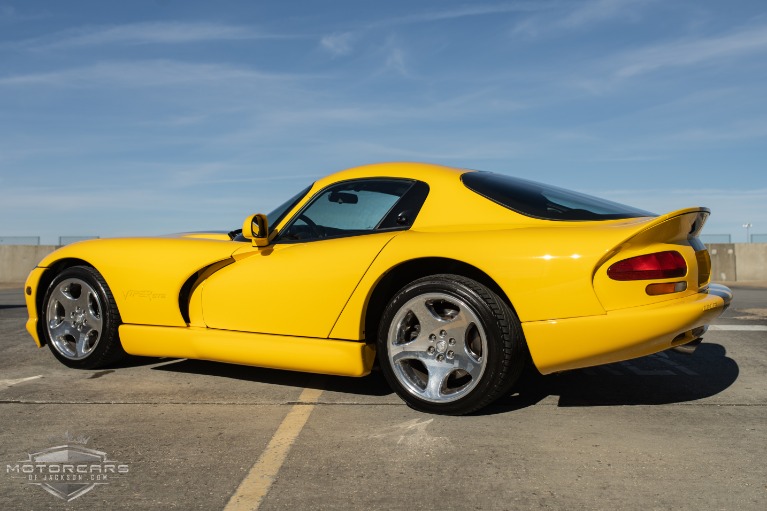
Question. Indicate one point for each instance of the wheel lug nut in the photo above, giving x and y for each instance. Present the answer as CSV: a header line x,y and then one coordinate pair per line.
x,y
440,357
450,354
442,333
451,341
431,350
432,337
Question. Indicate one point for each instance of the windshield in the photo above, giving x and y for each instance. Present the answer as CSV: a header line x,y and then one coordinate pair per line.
x,y
544,201
280,211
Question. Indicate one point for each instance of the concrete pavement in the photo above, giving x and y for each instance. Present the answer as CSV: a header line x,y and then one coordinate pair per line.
x,y
666,431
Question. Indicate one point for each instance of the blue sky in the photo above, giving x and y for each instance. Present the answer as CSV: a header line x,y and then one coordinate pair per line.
x,y
150,117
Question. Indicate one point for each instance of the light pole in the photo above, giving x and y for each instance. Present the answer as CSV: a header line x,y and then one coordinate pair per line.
x,y
748,227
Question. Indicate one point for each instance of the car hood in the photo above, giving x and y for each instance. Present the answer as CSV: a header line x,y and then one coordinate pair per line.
x,y
203,235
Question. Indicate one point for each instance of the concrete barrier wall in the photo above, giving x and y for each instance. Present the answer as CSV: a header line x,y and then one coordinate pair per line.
x,y
16,261
723,261
729,261
752,261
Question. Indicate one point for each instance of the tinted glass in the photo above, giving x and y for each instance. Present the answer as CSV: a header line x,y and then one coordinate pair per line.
x,y
344,209
545,201
280,211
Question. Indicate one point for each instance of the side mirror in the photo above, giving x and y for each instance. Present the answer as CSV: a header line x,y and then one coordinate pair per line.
x,y
256,229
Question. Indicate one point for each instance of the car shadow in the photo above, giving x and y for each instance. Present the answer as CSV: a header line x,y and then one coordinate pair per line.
x,y
662,378
138,361
370,385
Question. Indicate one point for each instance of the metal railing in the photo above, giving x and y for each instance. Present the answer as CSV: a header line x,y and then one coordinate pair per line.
x,y
66,240
19,240
715,238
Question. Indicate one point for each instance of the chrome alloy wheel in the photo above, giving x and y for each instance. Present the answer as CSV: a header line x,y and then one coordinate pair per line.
x,y
74,318
437,347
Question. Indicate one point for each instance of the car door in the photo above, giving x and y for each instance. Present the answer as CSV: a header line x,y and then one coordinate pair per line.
x,y
299,284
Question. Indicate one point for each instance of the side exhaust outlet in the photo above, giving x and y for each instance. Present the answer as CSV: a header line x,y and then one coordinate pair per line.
x,y
689,348
688,342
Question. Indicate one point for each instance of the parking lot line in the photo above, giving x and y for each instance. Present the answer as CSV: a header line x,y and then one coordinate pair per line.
x,y
262,474
743,328
9,383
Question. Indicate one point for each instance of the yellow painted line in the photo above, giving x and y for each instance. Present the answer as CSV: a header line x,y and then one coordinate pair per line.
x,y
263,473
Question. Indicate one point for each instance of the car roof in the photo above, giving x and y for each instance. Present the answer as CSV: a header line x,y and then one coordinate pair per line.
x,y
427,172
449,204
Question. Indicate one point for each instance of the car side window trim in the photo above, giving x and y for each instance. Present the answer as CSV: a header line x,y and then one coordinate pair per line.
x,y
404,212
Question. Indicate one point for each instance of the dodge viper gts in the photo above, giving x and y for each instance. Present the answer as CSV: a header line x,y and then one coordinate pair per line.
x,y
452,279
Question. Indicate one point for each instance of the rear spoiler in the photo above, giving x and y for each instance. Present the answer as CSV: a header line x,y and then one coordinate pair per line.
x,y
680,225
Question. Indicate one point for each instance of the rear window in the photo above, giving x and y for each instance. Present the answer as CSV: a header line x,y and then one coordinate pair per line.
x,y
544,201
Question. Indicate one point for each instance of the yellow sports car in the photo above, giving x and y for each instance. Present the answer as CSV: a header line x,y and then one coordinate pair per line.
x,y
453,278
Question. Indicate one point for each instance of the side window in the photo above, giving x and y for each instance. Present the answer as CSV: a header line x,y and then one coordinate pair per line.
x,y
348,208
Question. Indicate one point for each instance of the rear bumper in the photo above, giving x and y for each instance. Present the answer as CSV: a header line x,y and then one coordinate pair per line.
x,y
559,345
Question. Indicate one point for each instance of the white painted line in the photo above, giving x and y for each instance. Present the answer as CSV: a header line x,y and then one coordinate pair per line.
x,y
743,328
263,473
4,384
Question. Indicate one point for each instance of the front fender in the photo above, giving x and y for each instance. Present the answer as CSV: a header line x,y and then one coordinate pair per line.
x,y
145,275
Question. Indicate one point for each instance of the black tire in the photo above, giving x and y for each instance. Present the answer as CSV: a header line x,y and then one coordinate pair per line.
x,y
437,365
80,320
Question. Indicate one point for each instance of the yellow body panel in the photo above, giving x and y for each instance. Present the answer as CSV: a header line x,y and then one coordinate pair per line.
x,y
33,285
545,270
145,275
622,334
449,203
221,236
289,289
666,233
325,356
302,305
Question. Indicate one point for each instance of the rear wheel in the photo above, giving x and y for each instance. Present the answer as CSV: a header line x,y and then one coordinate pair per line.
x,y
80,319
448,344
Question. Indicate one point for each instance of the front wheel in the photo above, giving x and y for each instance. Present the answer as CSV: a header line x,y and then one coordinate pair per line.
x,y
450,345
80,319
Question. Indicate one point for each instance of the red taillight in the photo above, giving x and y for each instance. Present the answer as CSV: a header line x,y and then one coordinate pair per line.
x,y
660,265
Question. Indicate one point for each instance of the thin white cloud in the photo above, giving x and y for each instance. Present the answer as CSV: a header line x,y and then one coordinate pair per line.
x,y
464,12
146,33
740,130
395,61
338,44
729,207
596,11
434,150
578,15
289,115
144,73
692,51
